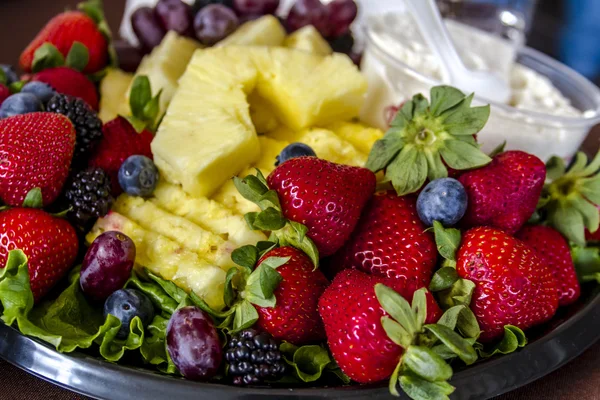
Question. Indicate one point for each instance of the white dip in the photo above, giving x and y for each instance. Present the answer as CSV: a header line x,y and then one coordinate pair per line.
x,y
396,37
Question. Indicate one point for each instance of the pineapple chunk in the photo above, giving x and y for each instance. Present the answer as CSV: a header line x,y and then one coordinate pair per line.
x,y
269,150
207,135
206,213
113,93
262,115
326,144
168,259
209,246
165,65
308,39
265,31
360,135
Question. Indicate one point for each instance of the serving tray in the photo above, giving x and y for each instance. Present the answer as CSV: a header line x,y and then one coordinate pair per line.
x,y
571,332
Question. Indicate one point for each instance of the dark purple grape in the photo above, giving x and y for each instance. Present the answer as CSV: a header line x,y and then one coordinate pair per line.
x,y
214,23
193,344
200,4
342,44
255,7
341,15
175,15
107,265
147,28
129,56
309,12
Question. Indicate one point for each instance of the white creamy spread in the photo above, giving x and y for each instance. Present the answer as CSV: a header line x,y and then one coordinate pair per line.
x,y
400,35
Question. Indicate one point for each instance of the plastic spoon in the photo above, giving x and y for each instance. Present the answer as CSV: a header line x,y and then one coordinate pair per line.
x,y
484,84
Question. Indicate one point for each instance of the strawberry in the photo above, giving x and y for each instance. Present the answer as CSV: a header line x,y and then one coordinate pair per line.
x,y
70,27
373,333
327,198
295,317
4,93
68,81
554,250
119,141
352,317
36,151
505,193
391,241
50,244
513,286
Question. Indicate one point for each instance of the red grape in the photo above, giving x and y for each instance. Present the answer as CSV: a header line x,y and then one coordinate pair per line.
x,y
214,23
341,15
309,12
193,344
255,7
175,15
107,265
129,56
147,28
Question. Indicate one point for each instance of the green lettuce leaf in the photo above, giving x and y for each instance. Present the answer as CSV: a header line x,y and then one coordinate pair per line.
x,y
309,362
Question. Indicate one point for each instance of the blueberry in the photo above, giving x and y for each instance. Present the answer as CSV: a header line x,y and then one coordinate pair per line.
x,y
9,73
125,304
294,150
19,103
41,90
138,176
443,200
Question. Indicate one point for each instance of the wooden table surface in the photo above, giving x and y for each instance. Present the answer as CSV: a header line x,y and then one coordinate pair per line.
x,y
20,20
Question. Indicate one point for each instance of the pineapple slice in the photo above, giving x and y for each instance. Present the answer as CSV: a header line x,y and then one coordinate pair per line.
x,y
326,144
308,39
113,93
262,115
165,65
265,31
148,215
168,259
207,135
360,135
206,213
228,194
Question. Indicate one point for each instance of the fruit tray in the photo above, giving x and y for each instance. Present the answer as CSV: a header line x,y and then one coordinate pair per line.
x,y
553,345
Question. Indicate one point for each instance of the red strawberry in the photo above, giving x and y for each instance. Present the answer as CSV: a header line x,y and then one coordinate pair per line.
x,y
504,194
328,198
513,285
295,317
120,140
68,81
554,250
391,241
36,151
50,244
352,317
4,93
64,30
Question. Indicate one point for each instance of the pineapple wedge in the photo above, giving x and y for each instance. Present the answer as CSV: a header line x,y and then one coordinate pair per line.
x,y
326,144
213,248
207,135
358,134
206,213
165,65
308,39
168,259
262,115
113,93
265,31
228,194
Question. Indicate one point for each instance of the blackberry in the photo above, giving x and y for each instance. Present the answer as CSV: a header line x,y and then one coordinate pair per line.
x,y
342,44
85,120
253,357
88,195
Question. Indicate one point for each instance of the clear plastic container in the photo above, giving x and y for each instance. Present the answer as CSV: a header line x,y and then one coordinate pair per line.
x,y
391,82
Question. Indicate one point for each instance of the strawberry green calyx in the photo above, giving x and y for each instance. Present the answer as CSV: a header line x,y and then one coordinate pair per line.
x,y
47,56
423,136
95,10
270,218
33,199
144,107
587,263
423,371
569,201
